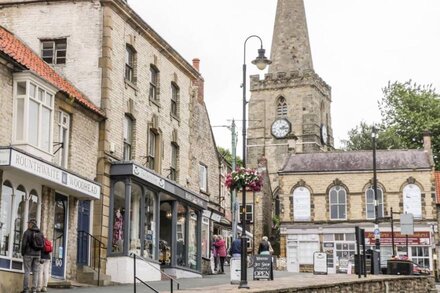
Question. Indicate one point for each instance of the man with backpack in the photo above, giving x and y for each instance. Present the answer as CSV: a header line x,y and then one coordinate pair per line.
x,y
31,245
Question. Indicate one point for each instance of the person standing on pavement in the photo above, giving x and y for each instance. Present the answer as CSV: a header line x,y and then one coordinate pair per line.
x,y
31,257
220,244
235,250
214,252
44,271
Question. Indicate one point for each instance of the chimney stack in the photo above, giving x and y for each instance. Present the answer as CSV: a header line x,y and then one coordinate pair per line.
x,y
427,144
196,64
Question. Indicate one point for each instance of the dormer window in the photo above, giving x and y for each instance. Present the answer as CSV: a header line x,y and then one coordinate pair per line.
x,y
33,113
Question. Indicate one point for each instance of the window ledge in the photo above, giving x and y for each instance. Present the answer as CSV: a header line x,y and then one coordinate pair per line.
x,y
131,85
175,117
205,192
155,102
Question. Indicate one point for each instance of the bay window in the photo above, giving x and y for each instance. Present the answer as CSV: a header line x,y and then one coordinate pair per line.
x,y
33,113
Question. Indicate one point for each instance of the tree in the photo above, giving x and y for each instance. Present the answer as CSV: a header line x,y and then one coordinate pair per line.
x,y
227,155
408,110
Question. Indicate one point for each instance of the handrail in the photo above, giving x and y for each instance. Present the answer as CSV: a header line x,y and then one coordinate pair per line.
x,y
101,246
172,280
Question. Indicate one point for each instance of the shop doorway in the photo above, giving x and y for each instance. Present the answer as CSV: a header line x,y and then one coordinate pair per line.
x,y
83,238
292,257
59,236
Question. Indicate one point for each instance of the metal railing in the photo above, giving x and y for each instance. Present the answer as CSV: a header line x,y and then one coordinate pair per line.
x,y
172,280
94,246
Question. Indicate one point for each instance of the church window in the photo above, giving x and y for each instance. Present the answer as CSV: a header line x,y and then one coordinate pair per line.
x,y
338,203
301,204
282,107
412,200
369,199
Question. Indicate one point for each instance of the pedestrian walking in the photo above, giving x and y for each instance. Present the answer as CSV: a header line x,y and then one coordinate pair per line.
x,y
31,245
265,247
214,252
235,250
220,244
45,266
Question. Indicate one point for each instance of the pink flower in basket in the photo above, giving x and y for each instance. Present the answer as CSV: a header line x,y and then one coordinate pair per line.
x,y
242,177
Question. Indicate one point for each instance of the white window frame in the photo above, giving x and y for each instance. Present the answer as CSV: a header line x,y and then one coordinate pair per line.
x,y
152,149
130,55
47,103
371,203
128,138
63,137
203,177
335,188
306,196
251,213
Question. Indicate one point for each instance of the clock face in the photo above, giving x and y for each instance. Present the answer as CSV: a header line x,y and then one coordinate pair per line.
x,y
280,128
324,134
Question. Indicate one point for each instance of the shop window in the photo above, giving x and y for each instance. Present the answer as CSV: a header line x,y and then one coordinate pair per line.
x,y
338,203
130,55
369,200
307,249
128,138
420,255
35,127
5,217
192,240
135,219
282,107
63,138
154,83
205,237
19,211
33,205
175,93
203,178
54,51
181,235
301,204
412,200
150,225
166,220
118,217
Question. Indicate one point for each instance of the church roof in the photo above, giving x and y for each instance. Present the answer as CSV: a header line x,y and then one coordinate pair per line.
x,y
356,161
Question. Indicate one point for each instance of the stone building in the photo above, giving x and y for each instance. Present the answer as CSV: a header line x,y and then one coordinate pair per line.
x,y
157,180
48,153
320,195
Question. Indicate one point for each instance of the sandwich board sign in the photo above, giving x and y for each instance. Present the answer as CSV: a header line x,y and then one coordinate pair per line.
x,y
263,268
319,263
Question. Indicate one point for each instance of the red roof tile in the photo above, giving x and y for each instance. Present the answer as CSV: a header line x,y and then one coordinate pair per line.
x,y
437,186
22,54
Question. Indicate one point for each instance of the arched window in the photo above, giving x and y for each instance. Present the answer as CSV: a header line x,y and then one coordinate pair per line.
x,y
338,203
369,201
301,204
282,107
5,217
412,200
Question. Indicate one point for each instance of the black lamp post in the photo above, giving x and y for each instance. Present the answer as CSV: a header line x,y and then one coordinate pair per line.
x,y
261,62
376,203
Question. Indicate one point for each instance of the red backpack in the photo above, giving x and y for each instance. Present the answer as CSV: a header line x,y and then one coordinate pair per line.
x,y
48,247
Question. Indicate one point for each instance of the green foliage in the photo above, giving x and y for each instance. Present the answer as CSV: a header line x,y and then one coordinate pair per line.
x,y
226,153
408,110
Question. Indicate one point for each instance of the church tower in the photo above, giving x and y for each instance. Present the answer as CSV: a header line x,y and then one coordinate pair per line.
x,y
289,110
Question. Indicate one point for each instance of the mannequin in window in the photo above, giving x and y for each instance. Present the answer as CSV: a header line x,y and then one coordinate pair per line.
x,y
118,236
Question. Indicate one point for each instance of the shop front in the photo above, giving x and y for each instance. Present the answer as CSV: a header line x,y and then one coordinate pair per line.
x,y
156,219
34,188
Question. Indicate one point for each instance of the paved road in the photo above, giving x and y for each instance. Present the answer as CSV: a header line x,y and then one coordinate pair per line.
x,y
206,281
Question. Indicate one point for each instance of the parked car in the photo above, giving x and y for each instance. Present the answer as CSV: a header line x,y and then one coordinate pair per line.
x,y
418,270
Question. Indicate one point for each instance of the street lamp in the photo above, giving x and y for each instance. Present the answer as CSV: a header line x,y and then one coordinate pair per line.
x,y
376,206
261,62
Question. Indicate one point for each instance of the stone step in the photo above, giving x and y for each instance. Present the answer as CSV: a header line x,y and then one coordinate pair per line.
x,y
87,275
59,284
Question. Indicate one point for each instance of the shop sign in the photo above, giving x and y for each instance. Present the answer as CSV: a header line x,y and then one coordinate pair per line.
x,y
235,270
263,268
216,217
319,263
53,174
418,238
148,176
5,155
301,204
195,200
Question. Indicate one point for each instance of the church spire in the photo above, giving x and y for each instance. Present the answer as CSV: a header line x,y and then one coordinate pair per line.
x,y
290,42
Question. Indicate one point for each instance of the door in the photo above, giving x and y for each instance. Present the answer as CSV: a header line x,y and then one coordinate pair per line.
x,y
59,236
83,230
292,257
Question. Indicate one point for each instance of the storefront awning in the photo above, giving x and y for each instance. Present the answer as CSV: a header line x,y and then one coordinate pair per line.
x,y
19,162
171,187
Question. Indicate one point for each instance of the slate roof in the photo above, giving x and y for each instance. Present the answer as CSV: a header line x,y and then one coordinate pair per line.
x,y
23,55
356,161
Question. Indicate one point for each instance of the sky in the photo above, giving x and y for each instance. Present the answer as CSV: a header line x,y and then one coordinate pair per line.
x,y
358,46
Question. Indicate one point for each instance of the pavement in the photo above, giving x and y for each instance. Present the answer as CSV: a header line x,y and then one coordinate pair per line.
x,y
221,283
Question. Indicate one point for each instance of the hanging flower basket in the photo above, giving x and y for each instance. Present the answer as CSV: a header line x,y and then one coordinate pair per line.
x,y
242,177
